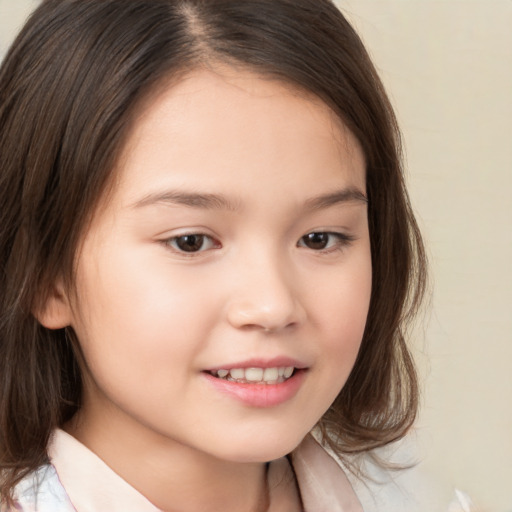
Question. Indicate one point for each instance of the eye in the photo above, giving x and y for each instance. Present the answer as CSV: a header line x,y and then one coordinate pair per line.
x,y
191,243
323,240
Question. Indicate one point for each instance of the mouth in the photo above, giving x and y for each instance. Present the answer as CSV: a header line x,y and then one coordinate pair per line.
x,y
255,375
258,386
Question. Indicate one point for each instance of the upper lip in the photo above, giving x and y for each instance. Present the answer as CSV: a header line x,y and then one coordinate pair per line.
x,y
275,362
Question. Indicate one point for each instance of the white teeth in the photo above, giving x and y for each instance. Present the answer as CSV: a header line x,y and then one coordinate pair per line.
x,y
237,373
271,374
264,375
254,374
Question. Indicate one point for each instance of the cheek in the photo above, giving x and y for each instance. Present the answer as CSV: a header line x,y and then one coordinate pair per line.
x,y
342,313
345,316
137,315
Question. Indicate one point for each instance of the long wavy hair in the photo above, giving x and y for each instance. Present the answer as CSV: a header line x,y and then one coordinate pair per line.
x,y
70,87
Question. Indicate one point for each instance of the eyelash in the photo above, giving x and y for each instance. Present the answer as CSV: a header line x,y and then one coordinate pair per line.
x,y
341,241
169,242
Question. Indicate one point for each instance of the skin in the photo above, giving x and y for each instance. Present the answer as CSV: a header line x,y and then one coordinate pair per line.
x,y
150,318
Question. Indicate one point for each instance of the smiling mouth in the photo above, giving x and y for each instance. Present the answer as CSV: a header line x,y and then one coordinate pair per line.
x,y
276,375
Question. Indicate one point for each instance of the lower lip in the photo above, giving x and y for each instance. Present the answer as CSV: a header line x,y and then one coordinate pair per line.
x,y
259,395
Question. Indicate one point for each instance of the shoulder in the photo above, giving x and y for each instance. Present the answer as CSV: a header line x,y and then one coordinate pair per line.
x,y
41,491
391,479
396,490
403,485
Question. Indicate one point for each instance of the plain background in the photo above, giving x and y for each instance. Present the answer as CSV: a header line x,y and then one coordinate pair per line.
x,y
447,65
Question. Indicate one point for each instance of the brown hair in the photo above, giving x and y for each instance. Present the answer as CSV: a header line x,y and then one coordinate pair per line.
x,y
69,87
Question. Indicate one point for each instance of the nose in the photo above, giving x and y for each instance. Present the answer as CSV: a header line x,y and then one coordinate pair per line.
x,y
265,296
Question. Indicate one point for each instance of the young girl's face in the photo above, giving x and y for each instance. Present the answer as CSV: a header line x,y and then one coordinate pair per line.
x,y
236,239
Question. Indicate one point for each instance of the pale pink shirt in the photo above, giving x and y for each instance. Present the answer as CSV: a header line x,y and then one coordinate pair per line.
x,y
79,481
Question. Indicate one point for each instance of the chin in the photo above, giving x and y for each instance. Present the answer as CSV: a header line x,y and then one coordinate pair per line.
x,y
262,447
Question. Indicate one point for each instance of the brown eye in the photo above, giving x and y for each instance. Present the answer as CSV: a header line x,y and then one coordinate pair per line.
x,y
191,243
325,241
316,241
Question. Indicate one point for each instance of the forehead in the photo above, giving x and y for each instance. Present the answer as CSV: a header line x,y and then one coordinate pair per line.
x,y
223,127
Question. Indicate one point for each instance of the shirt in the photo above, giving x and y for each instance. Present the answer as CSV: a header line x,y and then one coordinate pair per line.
x,y
77,480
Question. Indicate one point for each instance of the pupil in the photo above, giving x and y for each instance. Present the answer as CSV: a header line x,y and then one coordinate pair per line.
x,y
190,243
316,240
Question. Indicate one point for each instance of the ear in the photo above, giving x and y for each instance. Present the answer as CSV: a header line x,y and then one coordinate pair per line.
x,y
55,313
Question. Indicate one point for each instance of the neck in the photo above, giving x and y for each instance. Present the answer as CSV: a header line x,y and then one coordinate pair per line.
x,y
173,476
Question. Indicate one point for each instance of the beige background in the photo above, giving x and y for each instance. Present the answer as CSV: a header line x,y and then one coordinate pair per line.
x,y
448,67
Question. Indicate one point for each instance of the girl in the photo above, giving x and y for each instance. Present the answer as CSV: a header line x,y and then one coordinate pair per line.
x,y
207,254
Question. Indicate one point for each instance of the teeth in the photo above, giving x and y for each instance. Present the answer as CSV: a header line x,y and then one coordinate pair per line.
x,y
263,375
270,374
254,374
288,372
237,373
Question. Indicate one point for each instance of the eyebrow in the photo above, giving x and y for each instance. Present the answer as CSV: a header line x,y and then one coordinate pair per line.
x,y
219,202
344,195
191,199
